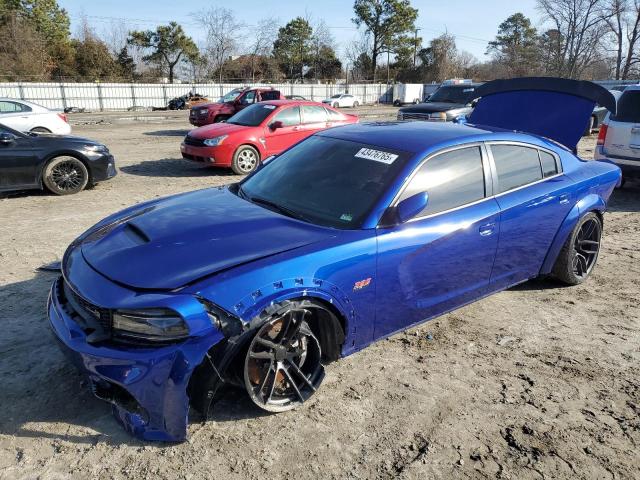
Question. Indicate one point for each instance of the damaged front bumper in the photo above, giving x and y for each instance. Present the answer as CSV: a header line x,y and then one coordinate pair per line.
x,y
147,386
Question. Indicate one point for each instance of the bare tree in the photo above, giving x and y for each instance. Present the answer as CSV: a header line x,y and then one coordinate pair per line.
x,y
357,55
581,25
223,31
633,40
614,16
265,33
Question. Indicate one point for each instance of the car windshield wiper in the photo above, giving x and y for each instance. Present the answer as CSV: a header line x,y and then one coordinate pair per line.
x,y
272,205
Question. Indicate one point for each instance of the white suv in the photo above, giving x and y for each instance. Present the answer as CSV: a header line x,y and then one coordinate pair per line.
x,y
30,117
619,137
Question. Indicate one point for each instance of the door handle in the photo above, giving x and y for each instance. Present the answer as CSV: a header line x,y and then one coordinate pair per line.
x,y
564,198
487,229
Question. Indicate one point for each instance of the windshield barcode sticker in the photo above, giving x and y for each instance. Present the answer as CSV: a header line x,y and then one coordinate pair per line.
x,y
376,155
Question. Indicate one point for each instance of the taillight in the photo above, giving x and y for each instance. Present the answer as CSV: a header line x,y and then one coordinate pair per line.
x,y
602,134
63,117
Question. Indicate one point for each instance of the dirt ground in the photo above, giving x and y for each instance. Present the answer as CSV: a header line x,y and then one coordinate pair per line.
x,y
540,381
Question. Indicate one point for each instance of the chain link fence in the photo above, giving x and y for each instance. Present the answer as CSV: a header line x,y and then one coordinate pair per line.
x,y
131,96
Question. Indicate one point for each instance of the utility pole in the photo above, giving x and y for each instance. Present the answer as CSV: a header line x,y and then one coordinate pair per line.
x,y
388,77
415,45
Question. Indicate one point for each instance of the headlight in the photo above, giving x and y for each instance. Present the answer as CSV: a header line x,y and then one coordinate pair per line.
x,y
203,111
154,324
438,116
214,142
96,148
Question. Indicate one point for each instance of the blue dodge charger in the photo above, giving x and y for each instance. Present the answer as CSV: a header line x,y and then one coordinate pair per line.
x,y
347,237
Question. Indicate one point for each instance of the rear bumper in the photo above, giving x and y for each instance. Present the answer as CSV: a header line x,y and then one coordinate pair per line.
x,y
630,167
220,156
146,386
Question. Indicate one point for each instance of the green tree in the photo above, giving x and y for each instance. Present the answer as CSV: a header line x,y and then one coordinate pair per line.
x,y
23,51
292,48
168,45
388,22
325,65
93,61
126,64
516,46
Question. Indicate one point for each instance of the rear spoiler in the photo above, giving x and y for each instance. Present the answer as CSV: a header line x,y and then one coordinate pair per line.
x,y
555,108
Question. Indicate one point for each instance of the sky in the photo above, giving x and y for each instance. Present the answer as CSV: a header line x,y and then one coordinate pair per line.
x,y
473,22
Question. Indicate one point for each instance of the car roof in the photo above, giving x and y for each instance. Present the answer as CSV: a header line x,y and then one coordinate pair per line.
x,y
287,101
413,137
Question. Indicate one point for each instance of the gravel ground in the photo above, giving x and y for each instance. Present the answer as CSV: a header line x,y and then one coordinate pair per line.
x,y
539,381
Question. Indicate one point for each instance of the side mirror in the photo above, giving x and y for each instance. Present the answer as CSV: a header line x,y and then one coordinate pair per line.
x,y
275,125
412,206
6,138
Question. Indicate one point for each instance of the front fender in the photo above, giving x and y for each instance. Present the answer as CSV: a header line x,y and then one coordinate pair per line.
x,y
588,203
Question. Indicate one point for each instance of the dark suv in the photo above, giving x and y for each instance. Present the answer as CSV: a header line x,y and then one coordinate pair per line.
x,y
444,105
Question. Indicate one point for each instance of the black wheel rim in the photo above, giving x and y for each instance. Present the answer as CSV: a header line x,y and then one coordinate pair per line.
x,y
283,365
586,247
67,175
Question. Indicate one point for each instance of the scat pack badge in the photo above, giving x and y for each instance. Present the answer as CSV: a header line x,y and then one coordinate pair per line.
x,y
361,284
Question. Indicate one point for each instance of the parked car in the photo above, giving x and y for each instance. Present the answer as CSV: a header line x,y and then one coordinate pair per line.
x,y
259,131
296,97
342,100
187,101
347,237
61,164
30,117
230,104
619,136
599,114
444,105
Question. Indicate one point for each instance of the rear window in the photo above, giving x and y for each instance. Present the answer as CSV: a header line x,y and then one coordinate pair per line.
x,y
628,107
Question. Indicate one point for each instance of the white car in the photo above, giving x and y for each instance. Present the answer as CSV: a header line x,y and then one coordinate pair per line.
x,y
29,117
342,100
619,137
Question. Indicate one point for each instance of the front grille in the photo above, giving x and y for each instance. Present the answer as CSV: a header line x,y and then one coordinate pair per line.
x,y
413,116
194,142
94,316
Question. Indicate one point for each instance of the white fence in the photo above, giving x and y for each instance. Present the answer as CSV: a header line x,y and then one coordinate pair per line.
x,y
123,96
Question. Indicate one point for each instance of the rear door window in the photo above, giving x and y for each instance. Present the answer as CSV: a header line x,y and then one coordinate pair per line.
x,y
13,107
628,109
313,114
516,166
451,179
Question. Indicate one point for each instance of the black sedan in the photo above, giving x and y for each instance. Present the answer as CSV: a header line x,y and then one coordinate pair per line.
x,y
61,164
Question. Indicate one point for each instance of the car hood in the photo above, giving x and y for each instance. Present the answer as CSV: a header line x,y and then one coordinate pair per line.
x,y
177,241
48,137
217,130
555,108
212,105
432,107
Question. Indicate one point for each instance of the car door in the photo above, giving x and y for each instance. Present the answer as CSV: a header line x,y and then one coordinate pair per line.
x,y
16,115
534,197
314,118
279,139
442,258
19,163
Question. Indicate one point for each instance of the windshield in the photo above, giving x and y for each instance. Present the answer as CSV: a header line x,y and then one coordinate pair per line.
x,y
231,96
326,181
462,95
253,115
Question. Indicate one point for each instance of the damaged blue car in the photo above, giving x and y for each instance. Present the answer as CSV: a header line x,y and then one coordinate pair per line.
x,y
349,236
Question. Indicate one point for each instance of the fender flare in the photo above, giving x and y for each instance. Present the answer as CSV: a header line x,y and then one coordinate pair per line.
x,y
588,203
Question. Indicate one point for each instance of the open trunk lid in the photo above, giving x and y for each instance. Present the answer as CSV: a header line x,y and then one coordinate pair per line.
x,y
555,108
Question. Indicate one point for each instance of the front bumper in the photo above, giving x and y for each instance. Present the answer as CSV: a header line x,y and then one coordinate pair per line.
x,y
103,167
147,386
220,156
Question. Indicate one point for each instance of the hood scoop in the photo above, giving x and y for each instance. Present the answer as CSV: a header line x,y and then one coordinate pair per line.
x,y
185,238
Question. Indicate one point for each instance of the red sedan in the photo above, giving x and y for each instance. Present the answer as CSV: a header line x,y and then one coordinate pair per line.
x,y
258,131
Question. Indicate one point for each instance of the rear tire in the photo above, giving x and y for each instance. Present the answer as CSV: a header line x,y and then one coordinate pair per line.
x,y
245,160
579,255
356,104
65,175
